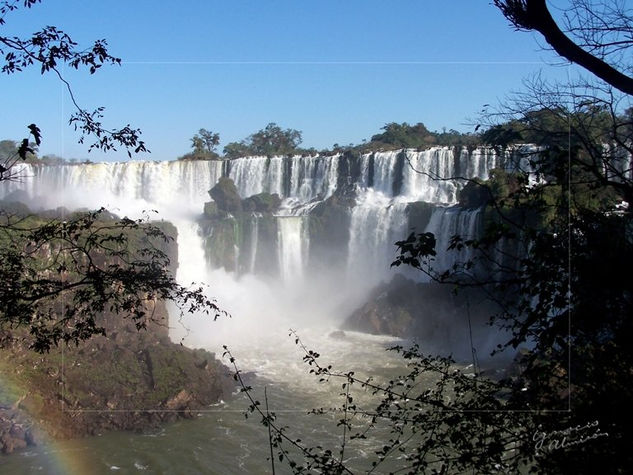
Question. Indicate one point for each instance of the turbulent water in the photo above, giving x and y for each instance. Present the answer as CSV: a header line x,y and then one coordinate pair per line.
x,y
263,308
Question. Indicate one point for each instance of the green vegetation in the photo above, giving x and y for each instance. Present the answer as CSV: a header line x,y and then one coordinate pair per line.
x,y
125,371
57,275
204,144
418,136
557,253
271,140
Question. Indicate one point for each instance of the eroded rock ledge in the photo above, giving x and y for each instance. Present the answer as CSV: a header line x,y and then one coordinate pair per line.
x,y
130,380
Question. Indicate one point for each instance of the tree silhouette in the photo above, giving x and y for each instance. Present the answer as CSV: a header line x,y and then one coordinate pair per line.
x,y
58,275
554,255
602,31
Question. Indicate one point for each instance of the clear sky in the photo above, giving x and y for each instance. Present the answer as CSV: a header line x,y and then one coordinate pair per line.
x,y
336,70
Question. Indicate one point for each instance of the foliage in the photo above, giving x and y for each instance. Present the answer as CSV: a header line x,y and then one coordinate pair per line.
x,y
273,140
556,252
417,136
269,141
57,276
405,135
204,144
51,48
236,150
451,422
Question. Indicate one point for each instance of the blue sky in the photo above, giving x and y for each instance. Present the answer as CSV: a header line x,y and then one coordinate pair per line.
x,y
336,70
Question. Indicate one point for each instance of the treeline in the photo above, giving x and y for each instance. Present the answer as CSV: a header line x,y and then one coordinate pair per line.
x,y
546,127
273,140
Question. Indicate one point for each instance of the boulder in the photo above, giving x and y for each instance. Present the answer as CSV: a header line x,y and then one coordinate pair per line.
x,y
226,196
262,203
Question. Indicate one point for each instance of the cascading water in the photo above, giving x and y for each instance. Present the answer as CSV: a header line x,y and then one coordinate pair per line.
x,y
385,182
376,223
427,176
253,246
293,243
448,222
263,307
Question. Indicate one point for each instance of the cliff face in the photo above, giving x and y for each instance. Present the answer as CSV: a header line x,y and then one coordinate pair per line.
x,y
133,379
128,379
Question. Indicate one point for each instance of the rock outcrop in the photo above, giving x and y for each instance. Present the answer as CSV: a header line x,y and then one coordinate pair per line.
x,y
432,314
129,379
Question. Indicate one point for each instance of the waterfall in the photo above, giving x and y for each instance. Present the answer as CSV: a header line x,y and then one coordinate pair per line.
x,y
478,163
293,244
256,175
181,184
448,222
376,223
190,252
426,176
384,167
253,244
374,218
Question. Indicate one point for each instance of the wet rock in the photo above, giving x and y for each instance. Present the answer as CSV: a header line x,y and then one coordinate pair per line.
x,y
226,196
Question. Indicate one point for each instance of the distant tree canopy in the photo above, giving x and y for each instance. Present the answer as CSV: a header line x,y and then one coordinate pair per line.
x,y
204,144
554,126
271,140
205,141
418,136
405,135
236,150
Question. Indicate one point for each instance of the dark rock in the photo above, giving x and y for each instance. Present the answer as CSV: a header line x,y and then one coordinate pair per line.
x,y
180,400
419,214
398,173
431,313
226,196
262,203
14,431
139,371
474,195
13,204
329,227
211,209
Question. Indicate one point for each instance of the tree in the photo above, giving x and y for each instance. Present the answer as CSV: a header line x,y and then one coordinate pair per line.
x,y
269,141
405,135
273,140
555,256
236,150
47,49
57,275
205,142
600,33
